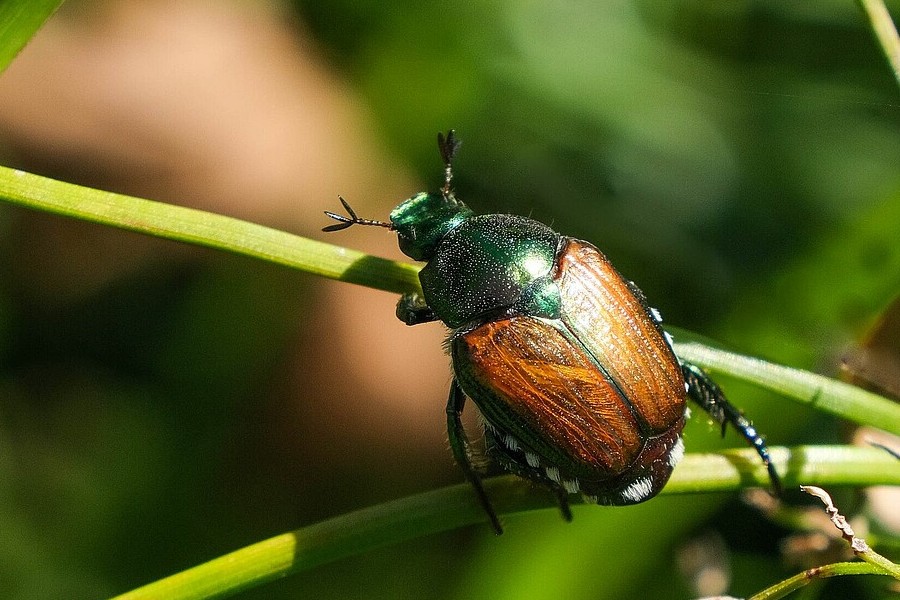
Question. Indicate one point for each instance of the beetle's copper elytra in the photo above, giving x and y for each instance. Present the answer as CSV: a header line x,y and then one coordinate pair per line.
x,y
577,382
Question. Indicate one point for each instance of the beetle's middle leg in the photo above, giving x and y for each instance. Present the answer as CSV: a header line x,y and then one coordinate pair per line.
x,y
704,391
459,444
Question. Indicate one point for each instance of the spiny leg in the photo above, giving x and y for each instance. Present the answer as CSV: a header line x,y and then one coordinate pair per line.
x,y
459,444
704,391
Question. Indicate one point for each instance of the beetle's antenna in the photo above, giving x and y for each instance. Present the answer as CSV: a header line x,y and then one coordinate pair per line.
x,y
447,145
345,222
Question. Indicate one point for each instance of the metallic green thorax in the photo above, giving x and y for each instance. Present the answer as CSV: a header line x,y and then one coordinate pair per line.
x,y
478,266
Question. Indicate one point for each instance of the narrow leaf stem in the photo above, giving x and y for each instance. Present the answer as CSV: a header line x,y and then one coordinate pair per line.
x,y
885,32
821,392
206,229
452,507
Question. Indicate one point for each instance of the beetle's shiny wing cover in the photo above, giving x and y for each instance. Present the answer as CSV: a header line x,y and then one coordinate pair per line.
x,y
532,383
593,401
615,326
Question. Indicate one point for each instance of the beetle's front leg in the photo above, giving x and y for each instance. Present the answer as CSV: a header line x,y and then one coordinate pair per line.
x,y
459,444
412,309
704,391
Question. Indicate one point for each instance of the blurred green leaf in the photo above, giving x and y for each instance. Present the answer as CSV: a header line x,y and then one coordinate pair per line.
x,y
19,21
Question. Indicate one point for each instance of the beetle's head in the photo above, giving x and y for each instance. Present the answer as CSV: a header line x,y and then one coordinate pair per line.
x,y
422,222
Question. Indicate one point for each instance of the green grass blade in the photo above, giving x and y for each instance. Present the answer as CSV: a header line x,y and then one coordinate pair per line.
x,y
448,508
19,21
823,393
885,32
783,588
205,229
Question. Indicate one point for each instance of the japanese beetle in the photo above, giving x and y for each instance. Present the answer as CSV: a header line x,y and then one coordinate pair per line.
x,y
576,381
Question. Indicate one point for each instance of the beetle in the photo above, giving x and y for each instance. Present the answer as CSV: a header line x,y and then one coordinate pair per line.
x,y
576,380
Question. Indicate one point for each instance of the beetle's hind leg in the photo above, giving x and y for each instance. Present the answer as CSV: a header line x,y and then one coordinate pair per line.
x,y
704,391
562,498
459,444
512,459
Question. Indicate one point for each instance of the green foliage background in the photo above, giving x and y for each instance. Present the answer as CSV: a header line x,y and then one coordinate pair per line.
x,y
740,160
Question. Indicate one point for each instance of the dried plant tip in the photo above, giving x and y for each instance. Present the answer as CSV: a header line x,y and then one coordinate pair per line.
x,y
858,544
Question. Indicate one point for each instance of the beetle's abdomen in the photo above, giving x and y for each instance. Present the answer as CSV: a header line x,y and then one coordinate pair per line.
x,y
614,325
531,382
